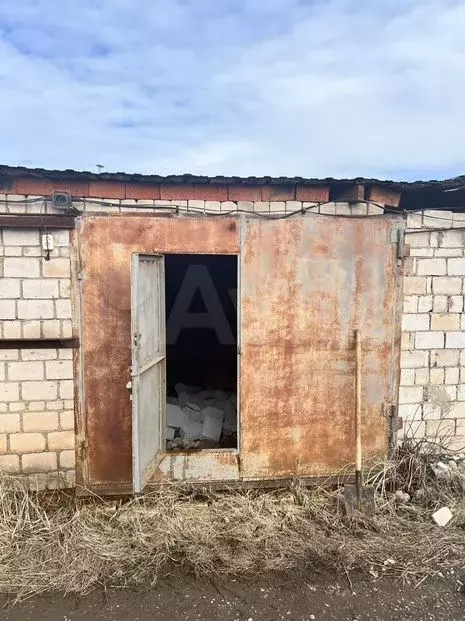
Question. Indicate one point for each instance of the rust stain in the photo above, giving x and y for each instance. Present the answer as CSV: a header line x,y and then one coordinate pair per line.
x,y
306,285
106,248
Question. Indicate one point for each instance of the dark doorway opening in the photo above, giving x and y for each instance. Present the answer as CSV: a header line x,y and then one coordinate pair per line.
x,y
201,351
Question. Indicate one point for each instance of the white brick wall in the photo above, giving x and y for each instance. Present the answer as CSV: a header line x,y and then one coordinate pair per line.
x,y
36,386
432,400
37,422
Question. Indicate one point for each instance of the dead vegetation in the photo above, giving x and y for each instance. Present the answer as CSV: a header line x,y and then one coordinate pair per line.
x,y
67,545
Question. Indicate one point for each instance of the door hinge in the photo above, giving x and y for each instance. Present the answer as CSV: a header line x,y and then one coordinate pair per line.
x,y
402,249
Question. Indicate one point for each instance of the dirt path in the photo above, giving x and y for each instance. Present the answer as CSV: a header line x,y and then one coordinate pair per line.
x,y
298,598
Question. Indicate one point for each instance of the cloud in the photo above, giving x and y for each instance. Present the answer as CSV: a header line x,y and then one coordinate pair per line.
x,y
283,87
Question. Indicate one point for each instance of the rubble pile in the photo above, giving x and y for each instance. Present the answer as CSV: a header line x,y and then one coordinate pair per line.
x,y
199,418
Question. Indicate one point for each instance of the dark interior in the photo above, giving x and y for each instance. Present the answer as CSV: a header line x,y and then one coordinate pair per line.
x,y
201,288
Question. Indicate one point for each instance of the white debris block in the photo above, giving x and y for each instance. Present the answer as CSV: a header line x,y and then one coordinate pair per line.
x,y
230,423
194,412
170,432
442,516
212,426
192,430
175,417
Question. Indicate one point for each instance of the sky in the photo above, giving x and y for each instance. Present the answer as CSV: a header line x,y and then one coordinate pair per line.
x,y
310,88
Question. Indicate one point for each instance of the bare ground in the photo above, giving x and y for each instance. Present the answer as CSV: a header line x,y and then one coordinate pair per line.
x,y
319,597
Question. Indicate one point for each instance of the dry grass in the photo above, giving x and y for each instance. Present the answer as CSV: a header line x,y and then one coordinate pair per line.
x,y
71,546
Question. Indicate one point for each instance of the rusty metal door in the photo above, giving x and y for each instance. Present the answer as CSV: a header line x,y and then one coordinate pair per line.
x,y
306,285
148,365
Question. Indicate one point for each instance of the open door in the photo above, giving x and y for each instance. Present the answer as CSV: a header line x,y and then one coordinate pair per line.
x,y
148,366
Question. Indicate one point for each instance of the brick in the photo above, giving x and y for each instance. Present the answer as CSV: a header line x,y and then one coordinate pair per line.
x,y
312,193
35,309
440,428
445,252
421,377
431,267
413,359
425,303
40,421
37,482
461,392
12,329
66,328
67,459
65,354
39,354
21,267
451,239
414,221
407,377
7,309
57,404
429,340
57,268
414,429
418,240
445,321
410,411
17,406
40,289
139,191
415,322
277,206
31,329
9,464
447,285
245,193
65,288
278,193
245,205
21,237
9,288
458,411
61,440
66,389
440,304
431,411
68,404
410,394
3,443
51,329
61,238
451,391
9,354
329,209
455,303
455,340
424,253
210,192
39,462
27,442
63,309
67,420
437,219
2,371
32,370
9,391
445,358
59,369
39,390
456,266
452,375
415,285
107,189
70,478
